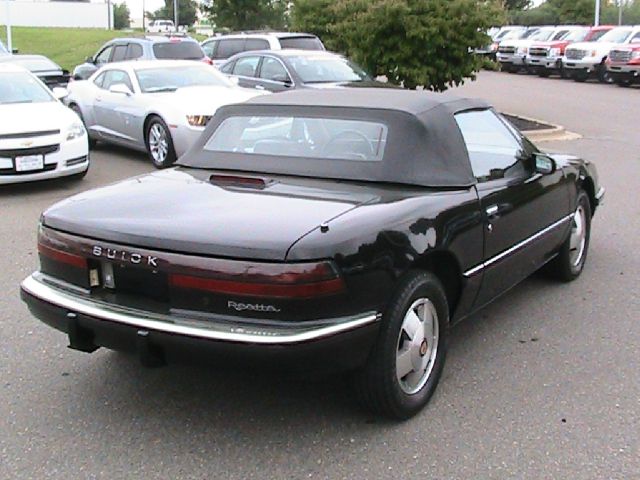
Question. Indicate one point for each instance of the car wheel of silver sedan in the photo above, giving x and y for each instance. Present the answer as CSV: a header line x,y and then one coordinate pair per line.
x,y
159,143
407,360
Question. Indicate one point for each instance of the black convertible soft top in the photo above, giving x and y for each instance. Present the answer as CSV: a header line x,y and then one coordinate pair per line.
x,y
424,146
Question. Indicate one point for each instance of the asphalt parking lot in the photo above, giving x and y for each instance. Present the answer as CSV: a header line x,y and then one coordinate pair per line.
x,y
543,384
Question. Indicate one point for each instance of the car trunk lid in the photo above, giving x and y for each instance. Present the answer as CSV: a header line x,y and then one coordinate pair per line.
x,y
207,213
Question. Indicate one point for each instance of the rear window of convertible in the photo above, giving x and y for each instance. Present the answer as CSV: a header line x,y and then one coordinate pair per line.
x,y
287,136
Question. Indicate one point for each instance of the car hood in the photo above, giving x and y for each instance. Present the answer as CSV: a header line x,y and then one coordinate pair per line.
x,y
183,210
204,100
599,46
34,117
362,84
516,43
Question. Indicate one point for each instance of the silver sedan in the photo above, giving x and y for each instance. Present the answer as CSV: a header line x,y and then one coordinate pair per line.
x,y
160,107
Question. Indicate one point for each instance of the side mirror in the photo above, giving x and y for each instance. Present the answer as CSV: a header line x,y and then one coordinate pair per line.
x,y
234,80
121,89
60,92
286,81
544,164
90,60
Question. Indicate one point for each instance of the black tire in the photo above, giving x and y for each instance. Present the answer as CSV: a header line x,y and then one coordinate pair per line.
x,y
623,82
160,160
76,109
543,72
581,76
377,384
78,176
603,75
564,266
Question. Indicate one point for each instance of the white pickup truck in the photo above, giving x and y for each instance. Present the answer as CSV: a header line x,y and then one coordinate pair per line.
x,y
161,26
584,60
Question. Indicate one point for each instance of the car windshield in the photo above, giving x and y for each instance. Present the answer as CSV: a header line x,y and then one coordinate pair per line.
x,y
178,50
595,36
169,79
35,64
575,36
326,69
302,137
617,35
22,87
542,35
301,43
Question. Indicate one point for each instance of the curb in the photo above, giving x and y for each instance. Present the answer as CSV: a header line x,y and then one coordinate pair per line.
x,y
555,133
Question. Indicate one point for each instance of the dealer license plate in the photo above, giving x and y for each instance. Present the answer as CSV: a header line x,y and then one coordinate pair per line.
x,y
29,163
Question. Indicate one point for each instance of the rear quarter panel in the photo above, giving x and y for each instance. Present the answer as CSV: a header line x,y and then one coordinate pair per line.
x,y
376,243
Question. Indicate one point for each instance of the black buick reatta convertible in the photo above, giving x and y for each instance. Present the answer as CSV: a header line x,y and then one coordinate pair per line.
x,y
345,228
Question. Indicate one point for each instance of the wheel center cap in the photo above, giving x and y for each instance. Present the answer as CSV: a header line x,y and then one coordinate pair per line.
x,y
423,348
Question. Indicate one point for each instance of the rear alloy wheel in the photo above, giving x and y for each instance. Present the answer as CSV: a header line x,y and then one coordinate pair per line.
x,y
160,143
407,360
569,262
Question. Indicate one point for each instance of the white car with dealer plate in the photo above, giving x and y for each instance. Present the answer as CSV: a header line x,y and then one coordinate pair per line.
x,y
39,137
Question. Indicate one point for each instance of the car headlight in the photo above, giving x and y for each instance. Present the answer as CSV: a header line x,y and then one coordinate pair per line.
x,y
76,130
523,50
198,120
593,53
635,55
554,52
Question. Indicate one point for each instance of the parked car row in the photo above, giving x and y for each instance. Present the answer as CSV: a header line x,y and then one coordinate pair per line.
x,y
606,53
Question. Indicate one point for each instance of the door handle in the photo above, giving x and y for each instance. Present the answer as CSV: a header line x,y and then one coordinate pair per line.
x,y
98,99
492,210
259,87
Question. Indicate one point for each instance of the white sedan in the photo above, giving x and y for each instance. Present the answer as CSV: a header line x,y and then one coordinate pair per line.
x,y
159,106
39,137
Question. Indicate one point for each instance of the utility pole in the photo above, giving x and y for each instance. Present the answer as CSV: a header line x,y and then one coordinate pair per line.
x,y
9,45
175,14
620,5
597,20
144,20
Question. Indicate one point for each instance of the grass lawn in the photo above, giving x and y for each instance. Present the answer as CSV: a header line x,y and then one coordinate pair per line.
x,y
66,46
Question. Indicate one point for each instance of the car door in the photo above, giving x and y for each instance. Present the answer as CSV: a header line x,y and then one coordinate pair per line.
x,y
273,75
246,71
115,112
525,211
119,52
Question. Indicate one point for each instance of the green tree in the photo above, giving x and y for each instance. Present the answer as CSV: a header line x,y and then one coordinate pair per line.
x,y
247,14
121,18
516,4
187,12
573,11
411,42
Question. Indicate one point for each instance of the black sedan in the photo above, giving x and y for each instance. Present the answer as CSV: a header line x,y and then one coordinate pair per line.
x,y
340,229
281,70
51,74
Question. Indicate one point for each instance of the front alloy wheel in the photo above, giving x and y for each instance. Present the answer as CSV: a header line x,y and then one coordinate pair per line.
x,y
569,262
160,144
406,362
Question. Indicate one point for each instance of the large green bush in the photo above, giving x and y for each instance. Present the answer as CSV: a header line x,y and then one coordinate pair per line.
x,y
412,42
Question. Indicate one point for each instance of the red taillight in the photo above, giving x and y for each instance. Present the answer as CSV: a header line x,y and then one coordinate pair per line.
x,y
61,256
268,280
207,60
